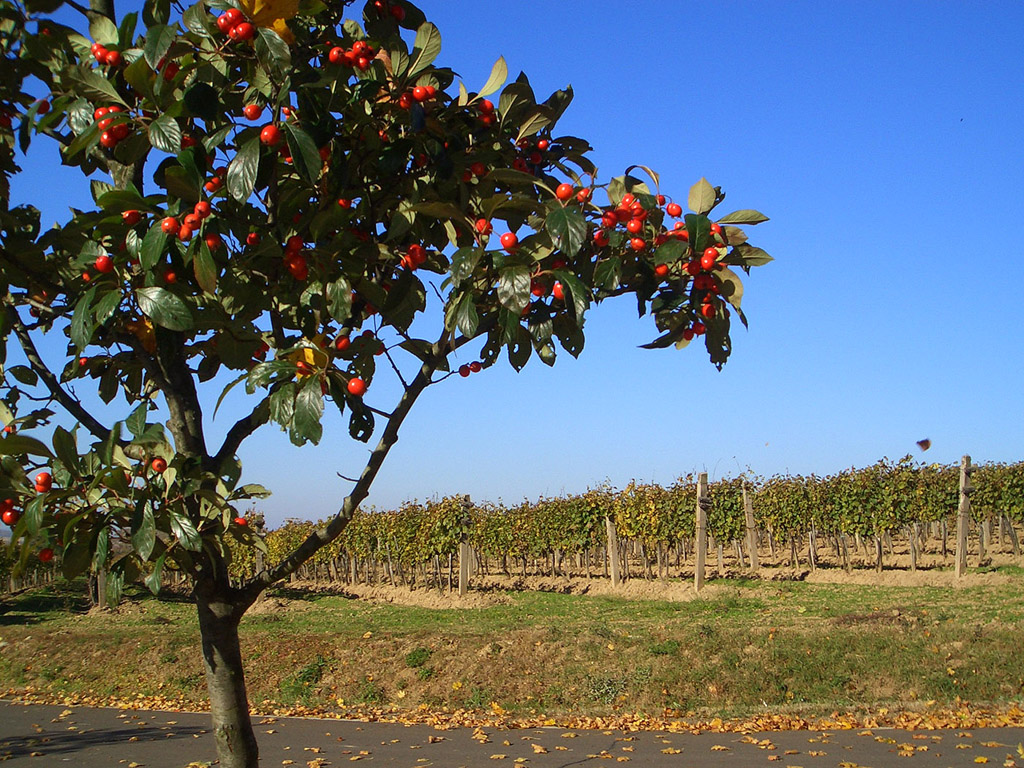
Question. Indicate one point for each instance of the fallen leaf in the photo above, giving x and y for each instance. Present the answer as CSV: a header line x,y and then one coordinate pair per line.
x,y
538,749
719,748
498,757
670,751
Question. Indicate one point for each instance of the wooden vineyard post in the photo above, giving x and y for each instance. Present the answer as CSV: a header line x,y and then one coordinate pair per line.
x,y
464,553
703,502
613,550
964,516
748,512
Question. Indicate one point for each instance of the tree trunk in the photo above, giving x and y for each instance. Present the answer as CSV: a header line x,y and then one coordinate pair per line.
x,y
225,681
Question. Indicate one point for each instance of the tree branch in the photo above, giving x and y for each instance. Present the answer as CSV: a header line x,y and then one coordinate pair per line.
x,y
242,428
323,536
69,403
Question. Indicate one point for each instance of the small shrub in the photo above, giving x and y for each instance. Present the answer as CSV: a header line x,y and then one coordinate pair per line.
x,y
417,657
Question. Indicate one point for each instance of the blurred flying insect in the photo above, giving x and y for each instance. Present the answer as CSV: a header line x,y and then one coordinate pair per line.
x,y
925,444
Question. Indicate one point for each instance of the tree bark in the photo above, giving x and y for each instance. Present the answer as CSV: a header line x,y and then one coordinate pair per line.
x,y
225,681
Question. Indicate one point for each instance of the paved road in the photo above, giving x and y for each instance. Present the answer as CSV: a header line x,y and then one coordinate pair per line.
x,y
44,736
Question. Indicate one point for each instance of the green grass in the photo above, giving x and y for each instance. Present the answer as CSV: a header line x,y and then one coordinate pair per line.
x,y
747,646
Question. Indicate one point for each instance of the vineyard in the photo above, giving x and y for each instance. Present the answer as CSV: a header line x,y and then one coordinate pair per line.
x,y
853,519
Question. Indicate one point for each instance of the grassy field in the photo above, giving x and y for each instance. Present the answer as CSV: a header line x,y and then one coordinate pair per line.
x,y
746,648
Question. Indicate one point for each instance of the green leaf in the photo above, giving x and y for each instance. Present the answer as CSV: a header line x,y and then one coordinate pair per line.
x,y
165,134
425,48
309,407
94,86
439,210
144,533
608,273
499,73
202,100
136,421
732,288
272,52
34,513
579,294
153,245
535,122
66,448
205,269
463,315
744,255
746,216
75,559
102,30
305,156
158,42
82,327
140,77
99,555
567,228
107,305
251,491
670,251
164,308
282,404
702,197
153,579
464,262
197,20
185,531
182,184
123,200
19,445
514,288
699,229
339,299
242,170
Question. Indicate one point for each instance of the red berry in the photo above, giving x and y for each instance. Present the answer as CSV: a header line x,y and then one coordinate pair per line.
x,y
661,270
708,310
543,145
486,107
475,367
43,482
464,371
634,226
131,218
661,199
342,343
252,111
252,238
509,241
558,292
344,202
213,241
419,93
244,31
43,108
191,221
46,555
707,261
104,264
583,195
170,276
10,516
398,13
159,464
478,169
563,192
108,140
241,521
483,226
601,238
170,225
356,386
675,210
637,244
715,229
270,135
112,59
202,209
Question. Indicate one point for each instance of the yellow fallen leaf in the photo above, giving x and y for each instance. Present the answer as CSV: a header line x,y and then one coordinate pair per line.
x,y
538,749
719,748
498,757
670,751
981,759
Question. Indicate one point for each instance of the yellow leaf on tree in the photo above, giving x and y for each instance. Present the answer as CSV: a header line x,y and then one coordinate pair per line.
x,y
272,14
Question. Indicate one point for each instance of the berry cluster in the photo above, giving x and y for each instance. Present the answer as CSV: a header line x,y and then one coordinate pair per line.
x,y
294,260
359,56
234,24
105,56
112,121
468,368
8,513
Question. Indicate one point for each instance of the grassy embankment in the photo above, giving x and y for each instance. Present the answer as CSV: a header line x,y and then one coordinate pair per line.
x,y
747,648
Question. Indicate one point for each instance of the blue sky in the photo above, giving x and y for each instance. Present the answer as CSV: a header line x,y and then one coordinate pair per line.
x,y
883,140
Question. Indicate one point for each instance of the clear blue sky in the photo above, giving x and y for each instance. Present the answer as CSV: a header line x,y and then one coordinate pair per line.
x,y
883,140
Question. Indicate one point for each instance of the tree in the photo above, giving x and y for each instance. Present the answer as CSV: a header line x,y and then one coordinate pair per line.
x,y
279,144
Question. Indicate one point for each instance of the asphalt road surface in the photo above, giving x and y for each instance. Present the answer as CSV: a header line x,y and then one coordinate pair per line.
x,y
44,736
